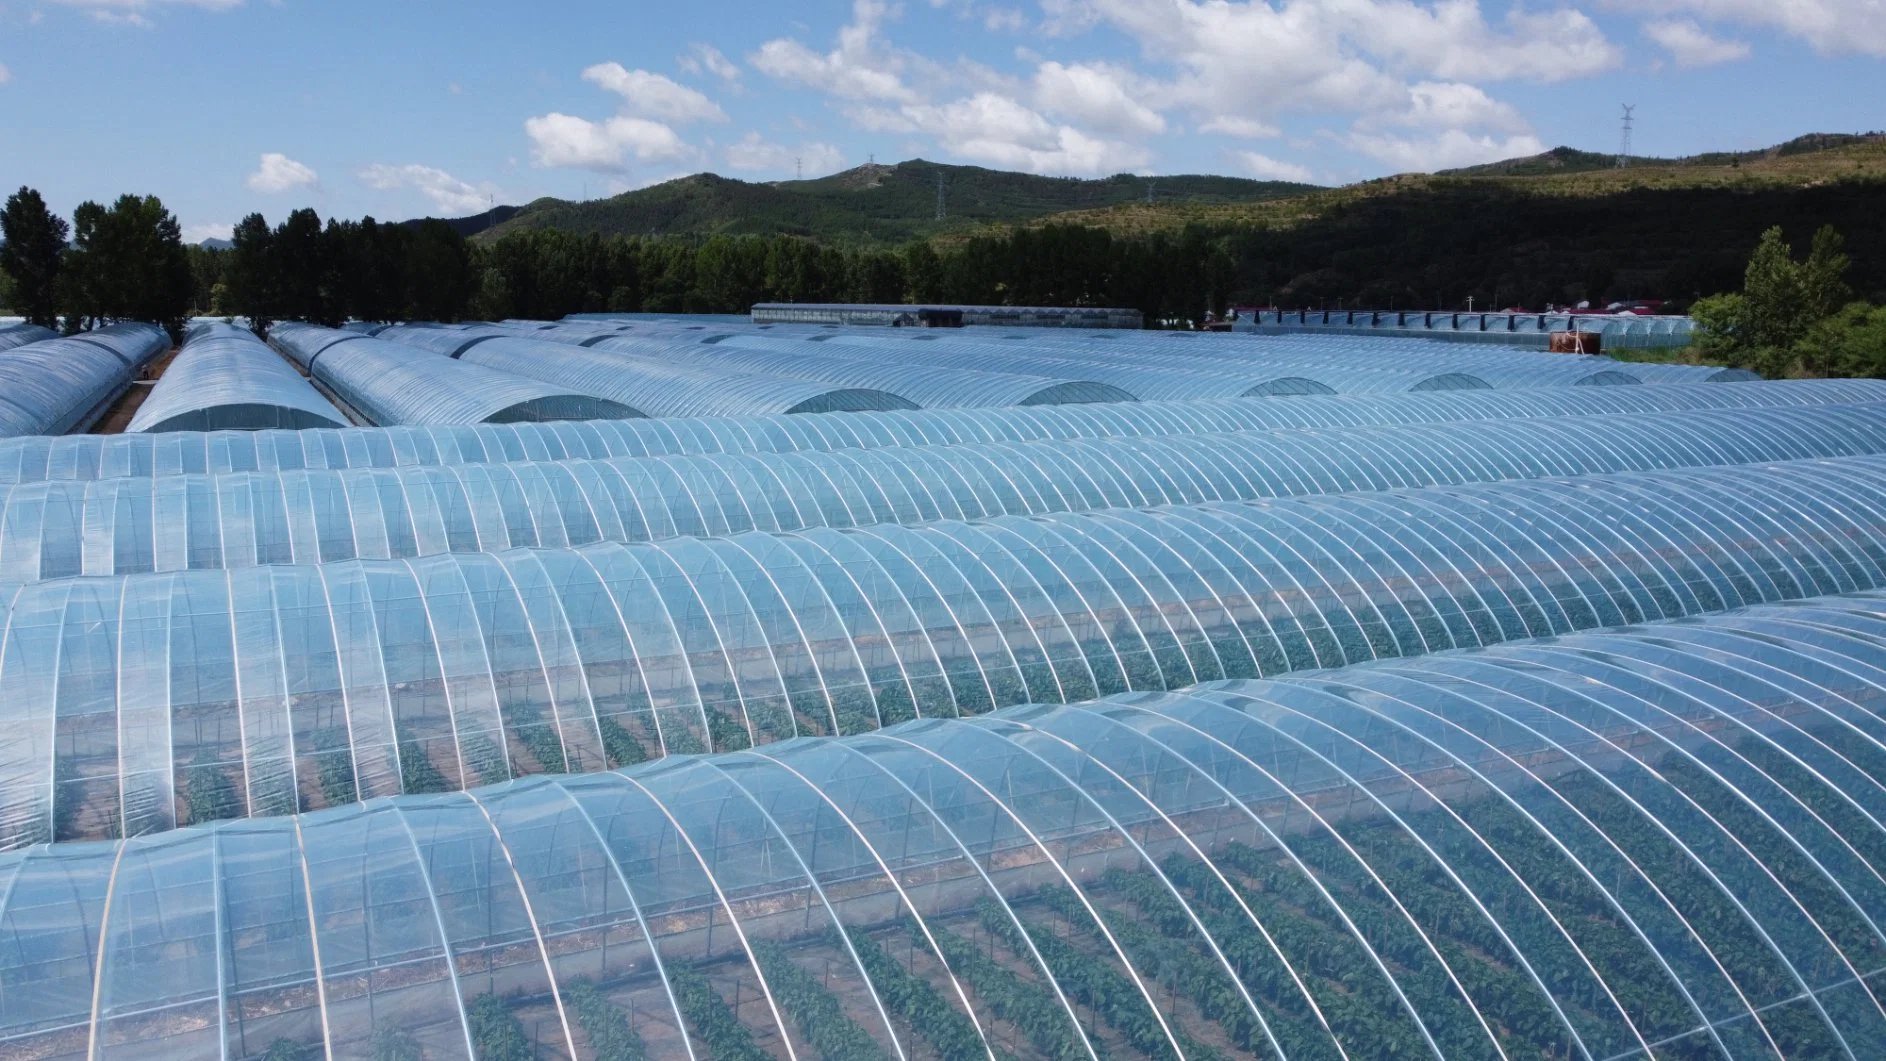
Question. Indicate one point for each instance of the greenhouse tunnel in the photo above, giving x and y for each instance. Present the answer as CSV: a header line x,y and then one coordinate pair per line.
x,y
60,385
141,456
1656,842
227,379
388,384
242,519
143,702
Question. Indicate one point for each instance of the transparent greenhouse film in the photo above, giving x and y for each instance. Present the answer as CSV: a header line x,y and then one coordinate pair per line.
x,y
60,529
227,379
145,702
144,456
1662,841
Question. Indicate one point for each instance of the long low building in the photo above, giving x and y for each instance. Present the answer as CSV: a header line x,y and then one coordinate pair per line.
x,y
946,314
388,384
244,519
54,386
226,379
1664,841
143,456
141,703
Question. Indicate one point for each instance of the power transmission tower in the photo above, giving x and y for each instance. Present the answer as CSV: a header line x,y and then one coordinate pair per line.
x,y
1150,186
1624,142
942,205
798,169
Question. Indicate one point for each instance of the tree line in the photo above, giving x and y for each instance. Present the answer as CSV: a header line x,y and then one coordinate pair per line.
x,y
304,269
126,261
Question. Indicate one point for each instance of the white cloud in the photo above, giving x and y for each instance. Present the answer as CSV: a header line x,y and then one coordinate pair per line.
x,y
194,234
1831,26
132,12
5,74
449,195
1004,20
278,173
754,154
988,127
1450,149
650,95
1240,64
1449,105
859,68
560,140
1263,167
1242,128
1097,95
1690,45
707,58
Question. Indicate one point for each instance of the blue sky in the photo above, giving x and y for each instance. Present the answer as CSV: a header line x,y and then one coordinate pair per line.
x,y
398,109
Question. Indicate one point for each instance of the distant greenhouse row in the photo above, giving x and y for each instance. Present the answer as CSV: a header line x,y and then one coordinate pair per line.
x,y
522,371
146,455
1660,842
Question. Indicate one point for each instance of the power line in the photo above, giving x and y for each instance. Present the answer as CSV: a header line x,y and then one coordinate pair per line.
x,y
1624,142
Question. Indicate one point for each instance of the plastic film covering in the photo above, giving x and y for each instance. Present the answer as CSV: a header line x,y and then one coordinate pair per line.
x,y
60,385
1194,365
243,519
303,343
389,384
1660,842
143,456
227,379
927,386
1166,380
135,343
12,335
671,384
139,703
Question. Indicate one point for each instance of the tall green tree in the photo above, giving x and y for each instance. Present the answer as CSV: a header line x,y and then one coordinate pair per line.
x,y
249,283
127,262
35,244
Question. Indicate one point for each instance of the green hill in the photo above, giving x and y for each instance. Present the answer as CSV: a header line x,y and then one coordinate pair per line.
x,y
873,203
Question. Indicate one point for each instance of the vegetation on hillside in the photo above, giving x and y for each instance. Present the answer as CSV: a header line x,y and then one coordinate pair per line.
x,y
870,205
1676,231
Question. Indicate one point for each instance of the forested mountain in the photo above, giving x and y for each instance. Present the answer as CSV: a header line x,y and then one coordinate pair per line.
x,y
881,204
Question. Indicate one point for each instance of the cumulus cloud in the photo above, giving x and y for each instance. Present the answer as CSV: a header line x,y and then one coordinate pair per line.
x,y
1240,127
1100,96
642,131
1239,65
1263,167
564,141
705,58
1450,149
1832,26
1690,45
278,173
1449,105
651,95
754,154
449,194
992,128
859,68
